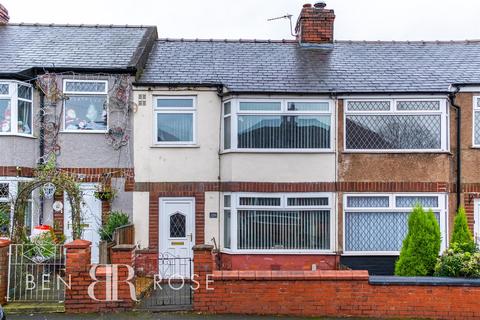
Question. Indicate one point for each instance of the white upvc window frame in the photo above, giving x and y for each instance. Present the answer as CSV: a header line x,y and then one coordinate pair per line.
x,y
175,110
235,112
84,93
443,112
13,183
442,209
235,206
476,108
14,98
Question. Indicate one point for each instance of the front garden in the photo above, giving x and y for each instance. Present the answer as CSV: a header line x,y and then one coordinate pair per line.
x,y
419,254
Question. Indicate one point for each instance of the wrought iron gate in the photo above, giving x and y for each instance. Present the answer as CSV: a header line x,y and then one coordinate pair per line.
x,y
36,273
172,288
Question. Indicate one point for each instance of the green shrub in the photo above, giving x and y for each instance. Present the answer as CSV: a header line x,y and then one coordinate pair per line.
x,y
456,263
4,222
461,235
421,245
115,219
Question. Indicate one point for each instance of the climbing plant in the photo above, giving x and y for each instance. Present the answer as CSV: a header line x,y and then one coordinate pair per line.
x,y
47,174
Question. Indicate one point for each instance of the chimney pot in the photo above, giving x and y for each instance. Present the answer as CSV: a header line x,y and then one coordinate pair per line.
x,y
320,5
307,5
4,18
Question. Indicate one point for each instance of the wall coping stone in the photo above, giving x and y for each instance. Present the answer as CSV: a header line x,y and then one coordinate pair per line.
x,y
4,243
202,247
322,275
423,281
124,247
78,244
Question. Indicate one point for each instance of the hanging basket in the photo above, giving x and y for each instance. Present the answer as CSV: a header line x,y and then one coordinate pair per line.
x,y
104,195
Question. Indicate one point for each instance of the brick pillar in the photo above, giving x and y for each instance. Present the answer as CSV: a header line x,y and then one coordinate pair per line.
x,y
124,254
4,246
78,259
203,263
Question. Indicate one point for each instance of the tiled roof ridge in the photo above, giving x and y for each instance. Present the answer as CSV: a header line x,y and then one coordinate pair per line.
x,y
22,24
336,41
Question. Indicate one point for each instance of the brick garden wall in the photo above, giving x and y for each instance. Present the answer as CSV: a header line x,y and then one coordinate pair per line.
x,y
324,294
77,299
4,247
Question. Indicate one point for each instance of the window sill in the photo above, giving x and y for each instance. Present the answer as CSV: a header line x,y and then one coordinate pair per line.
x,y
371,253
190,146
84,131
278,252
396,152
28,136
293,151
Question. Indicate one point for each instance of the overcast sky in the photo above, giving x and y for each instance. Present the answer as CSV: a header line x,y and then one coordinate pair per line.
x,y
247,19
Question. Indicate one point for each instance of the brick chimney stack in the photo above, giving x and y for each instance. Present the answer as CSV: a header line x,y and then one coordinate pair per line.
x,y
4,18
315,25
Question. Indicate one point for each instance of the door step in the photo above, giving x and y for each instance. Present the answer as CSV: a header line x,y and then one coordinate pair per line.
x,y
33,307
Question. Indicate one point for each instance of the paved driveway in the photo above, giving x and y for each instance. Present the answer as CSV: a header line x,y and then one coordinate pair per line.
x,y
141,316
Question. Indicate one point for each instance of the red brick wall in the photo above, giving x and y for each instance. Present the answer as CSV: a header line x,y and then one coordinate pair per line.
x,y
78,268
4,247
325,294
146,262
360,186
277,262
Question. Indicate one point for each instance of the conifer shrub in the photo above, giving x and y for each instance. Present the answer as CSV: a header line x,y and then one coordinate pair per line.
x,y
421,245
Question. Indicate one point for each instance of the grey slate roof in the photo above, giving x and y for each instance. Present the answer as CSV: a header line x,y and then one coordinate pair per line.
x,y
284,66
25,46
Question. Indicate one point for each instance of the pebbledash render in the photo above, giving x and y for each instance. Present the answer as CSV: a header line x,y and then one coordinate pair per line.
x,y
63,98
302,154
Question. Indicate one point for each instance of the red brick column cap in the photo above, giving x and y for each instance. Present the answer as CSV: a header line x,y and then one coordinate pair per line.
x,y
124,247
4,243
78,244
202,247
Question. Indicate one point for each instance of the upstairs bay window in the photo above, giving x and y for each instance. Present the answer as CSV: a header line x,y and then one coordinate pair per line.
x,y
276,125
85,106
175,120
264,222
16,108
396,125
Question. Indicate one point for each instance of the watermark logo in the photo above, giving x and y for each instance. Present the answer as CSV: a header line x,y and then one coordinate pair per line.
x,y
111,281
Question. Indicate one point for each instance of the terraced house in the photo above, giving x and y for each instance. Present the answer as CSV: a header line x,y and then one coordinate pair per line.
x,y
302,154
298,154
65,96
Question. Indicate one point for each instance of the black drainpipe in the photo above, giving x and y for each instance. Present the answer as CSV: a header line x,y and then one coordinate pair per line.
x,y
42,148
452,97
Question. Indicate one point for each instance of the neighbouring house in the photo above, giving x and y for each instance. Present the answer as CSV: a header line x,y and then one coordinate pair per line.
x,y
66,93
305,153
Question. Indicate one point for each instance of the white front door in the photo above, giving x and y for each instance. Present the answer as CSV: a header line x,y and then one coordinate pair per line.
x,y
177,236
91,218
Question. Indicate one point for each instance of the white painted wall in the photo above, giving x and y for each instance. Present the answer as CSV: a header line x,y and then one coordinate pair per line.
x,y
174,164
212,224
278,167
140,217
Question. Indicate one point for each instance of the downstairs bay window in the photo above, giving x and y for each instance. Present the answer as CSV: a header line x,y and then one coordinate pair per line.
x,y
16,108
392,125
376,224
277,223
277,125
